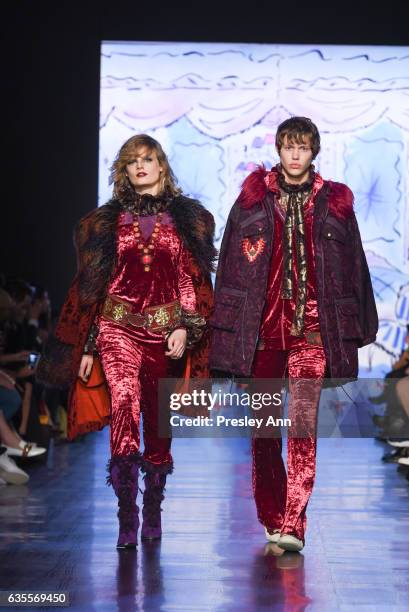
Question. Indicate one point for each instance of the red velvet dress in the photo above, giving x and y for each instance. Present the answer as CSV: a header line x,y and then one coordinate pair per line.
x,y
281,498
133,359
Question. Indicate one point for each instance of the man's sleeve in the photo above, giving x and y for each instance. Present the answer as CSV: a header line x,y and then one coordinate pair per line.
x,y
362,287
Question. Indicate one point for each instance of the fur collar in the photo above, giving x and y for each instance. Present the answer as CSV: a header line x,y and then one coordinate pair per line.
x,y
95,239
259,182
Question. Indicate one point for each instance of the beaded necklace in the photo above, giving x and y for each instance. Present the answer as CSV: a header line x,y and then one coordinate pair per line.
x,y
147,249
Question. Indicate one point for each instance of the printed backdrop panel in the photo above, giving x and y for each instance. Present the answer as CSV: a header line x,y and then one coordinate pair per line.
x,y
215,108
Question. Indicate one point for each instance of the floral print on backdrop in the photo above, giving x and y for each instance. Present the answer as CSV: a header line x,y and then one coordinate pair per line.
x,y
215,108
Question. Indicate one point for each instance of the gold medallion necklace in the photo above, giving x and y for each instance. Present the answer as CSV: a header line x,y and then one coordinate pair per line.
x,y
147,249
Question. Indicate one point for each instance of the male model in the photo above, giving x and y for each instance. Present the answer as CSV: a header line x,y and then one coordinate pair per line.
x,y
293,298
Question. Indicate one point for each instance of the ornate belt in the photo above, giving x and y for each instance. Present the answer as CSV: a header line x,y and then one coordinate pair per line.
x,y
159,319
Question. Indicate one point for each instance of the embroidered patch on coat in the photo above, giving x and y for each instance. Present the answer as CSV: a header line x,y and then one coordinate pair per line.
x,y
252,251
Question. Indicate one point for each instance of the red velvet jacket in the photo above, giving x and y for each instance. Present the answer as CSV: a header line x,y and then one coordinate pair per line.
x,y
346,306
95,241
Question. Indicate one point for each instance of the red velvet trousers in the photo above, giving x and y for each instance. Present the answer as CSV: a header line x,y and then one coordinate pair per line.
x,y
132,368
281,498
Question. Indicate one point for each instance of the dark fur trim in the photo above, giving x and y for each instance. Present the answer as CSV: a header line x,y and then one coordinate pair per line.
x,y
122,461
195,225
95,240
150,468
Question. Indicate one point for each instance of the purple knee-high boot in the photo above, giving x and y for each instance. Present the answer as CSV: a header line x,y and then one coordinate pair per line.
x,y
123,476
155,481
151,511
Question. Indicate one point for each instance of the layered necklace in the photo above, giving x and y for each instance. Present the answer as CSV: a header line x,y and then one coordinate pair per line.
x,y
146,249
143,206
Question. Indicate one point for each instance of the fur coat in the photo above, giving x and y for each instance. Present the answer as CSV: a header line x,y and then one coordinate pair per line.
x,y
95,242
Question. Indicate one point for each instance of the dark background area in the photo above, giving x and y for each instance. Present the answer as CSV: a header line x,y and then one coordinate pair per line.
x,y
51,55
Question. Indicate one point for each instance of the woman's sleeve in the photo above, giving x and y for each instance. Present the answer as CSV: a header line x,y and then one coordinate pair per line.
x,y
190,317
90,347
186,290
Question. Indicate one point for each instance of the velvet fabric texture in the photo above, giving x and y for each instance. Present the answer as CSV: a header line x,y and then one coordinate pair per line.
x,y
345,302
278,314
169,278
281,498
96,244
132,369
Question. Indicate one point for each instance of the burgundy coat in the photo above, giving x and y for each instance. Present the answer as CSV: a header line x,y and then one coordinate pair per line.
x,y
346,306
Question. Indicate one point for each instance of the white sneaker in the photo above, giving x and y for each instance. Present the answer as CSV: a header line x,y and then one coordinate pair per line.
x,y
272,537
25,450
33,444
398,443
290,542
403,460
10,472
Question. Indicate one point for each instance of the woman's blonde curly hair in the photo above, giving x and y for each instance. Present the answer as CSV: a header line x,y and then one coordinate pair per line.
x,y
127,153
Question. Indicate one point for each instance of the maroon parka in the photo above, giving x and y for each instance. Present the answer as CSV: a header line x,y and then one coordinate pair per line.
x,y
346,305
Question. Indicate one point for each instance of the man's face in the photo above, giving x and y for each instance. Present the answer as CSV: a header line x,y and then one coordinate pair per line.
x,y
144,172
296,159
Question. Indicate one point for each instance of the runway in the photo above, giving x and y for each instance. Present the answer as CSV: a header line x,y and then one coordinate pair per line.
x,y
59,533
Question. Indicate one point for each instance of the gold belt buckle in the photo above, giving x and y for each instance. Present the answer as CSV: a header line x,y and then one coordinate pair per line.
x,y
161,317
119,312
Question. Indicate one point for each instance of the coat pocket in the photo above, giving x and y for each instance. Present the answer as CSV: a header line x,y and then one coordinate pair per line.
x,y
334,230
348,318
255,225
228,308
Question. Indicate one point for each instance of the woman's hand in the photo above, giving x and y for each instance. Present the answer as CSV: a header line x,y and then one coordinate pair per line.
x,y
10,357
85,367
176,344
25,372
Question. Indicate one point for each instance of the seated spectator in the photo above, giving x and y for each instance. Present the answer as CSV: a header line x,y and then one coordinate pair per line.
x,y
402,394
396,418
9,471
22,329
13,367
40,314
10,402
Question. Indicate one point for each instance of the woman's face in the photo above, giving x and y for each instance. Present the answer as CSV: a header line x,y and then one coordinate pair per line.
x,y
145,172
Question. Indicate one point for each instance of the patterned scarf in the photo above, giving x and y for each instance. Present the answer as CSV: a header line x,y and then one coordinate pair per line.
x,y
297,195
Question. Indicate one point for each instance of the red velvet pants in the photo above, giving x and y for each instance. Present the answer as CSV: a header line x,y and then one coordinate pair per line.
x,y
281,498
132,369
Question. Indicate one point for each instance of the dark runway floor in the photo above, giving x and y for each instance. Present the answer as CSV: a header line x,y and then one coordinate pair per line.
x,y
59,533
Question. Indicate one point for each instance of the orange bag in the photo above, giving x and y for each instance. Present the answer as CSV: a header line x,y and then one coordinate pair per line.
x,y
92,401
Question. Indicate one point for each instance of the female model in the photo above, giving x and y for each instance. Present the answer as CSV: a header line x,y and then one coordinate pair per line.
x,y
140,298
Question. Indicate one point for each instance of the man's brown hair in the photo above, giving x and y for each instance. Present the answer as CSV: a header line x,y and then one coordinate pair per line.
x,y
297,129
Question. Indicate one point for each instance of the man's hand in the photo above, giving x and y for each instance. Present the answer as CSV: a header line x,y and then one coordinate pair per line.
x,y
85,367
176,344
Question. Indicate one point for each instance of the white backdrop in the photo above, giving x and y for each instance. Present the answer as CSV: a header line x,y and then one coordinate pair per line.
x,y
215,108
